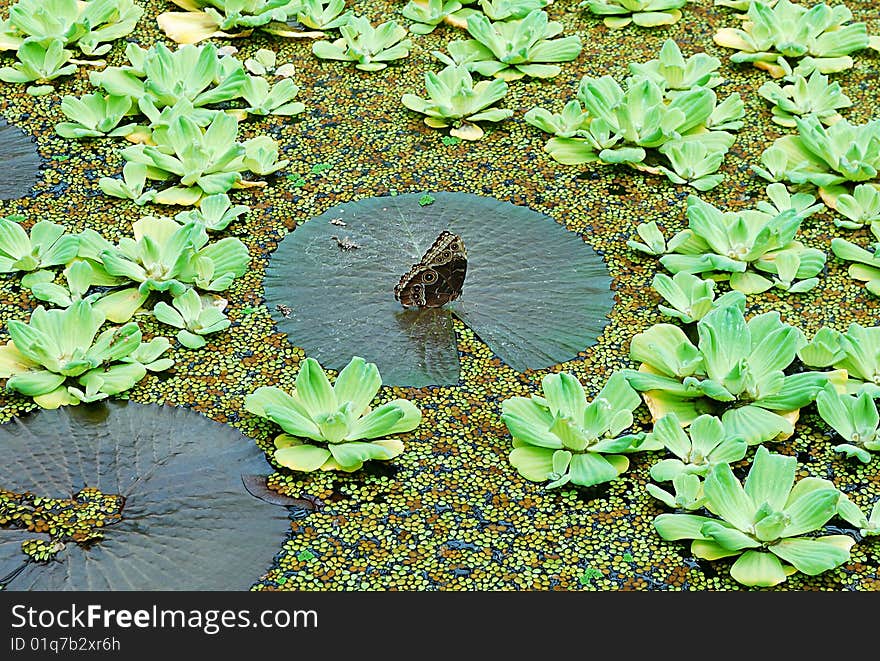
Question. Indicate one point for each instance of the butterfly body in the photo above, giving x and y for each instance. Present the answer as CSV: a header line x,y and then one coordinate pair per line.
x,y
437,279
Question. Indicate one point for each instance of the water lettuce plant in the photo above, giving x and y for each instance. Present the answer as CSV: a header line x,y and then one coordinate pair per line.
x,y
771,524
195,315
512,49
215,212
322,15
677,73
705,443
737,369
651,123
265,98
333,427
198,74
265,62
644,13
561,438
822,37
455,100
204,19
687,492
95,115
45,32
753,249
868,525
201,161
510,10
857,351
865,266
371,48
860,208
802,96
426,16
691,298
167,256
59,358
39,64
830,158
47,245
853,417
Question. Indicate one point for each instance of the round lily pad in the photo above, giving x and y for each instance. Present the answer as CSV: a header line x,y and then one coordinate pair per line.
x,y
21,162
534,292
188,522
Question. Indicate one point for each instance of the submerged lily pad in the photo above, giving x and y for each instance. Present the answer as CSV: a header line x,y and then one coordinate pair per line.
x,y
188,523
535,293
21,162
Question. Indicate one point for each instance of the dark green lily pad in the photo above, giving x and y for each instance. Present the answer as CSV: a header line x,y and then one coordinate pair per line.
x,y
535,293
20,160
188,522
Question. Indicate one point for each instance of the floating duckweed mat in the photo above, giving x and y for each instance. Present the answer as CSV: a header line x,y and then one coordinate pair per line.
x,y
450,513
187,520
21,162
534,292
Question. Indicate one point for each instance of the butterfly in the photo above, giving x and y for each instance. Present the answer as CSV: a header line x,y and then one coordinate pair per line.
x,y
438,277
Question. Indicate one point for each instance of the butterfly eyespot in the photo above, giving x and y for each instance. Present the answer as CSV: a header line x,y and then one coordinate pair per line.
x,y
446,255
429,277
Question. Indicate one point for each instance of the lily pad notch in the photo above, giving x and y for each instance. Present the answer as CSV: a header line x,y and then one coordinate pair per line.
x,y
189,521
535,293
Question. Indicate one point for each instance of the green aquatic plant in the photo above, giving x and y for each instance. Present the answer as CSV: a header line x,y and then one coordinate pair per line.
x,y
44,32
737,369
868,525
264,98
651,123
857,351
672,71
644,13
265,63
200,161
195,316
771,524
333,427
59,358
47,245
513,49
691,298
197,74
687,492
802,96
561,438
705,443
510,10
322,16
652,240
865,266
831,158
426,16
454,100
215,212
95,115
204,19
860,208
821,37
40,64
80,276
131,186
371,48
855,418
165,255
741,246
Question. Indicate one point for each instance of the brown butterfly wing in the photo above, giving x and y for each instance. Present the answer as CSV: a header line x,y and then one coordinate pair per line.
x,y
439,276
